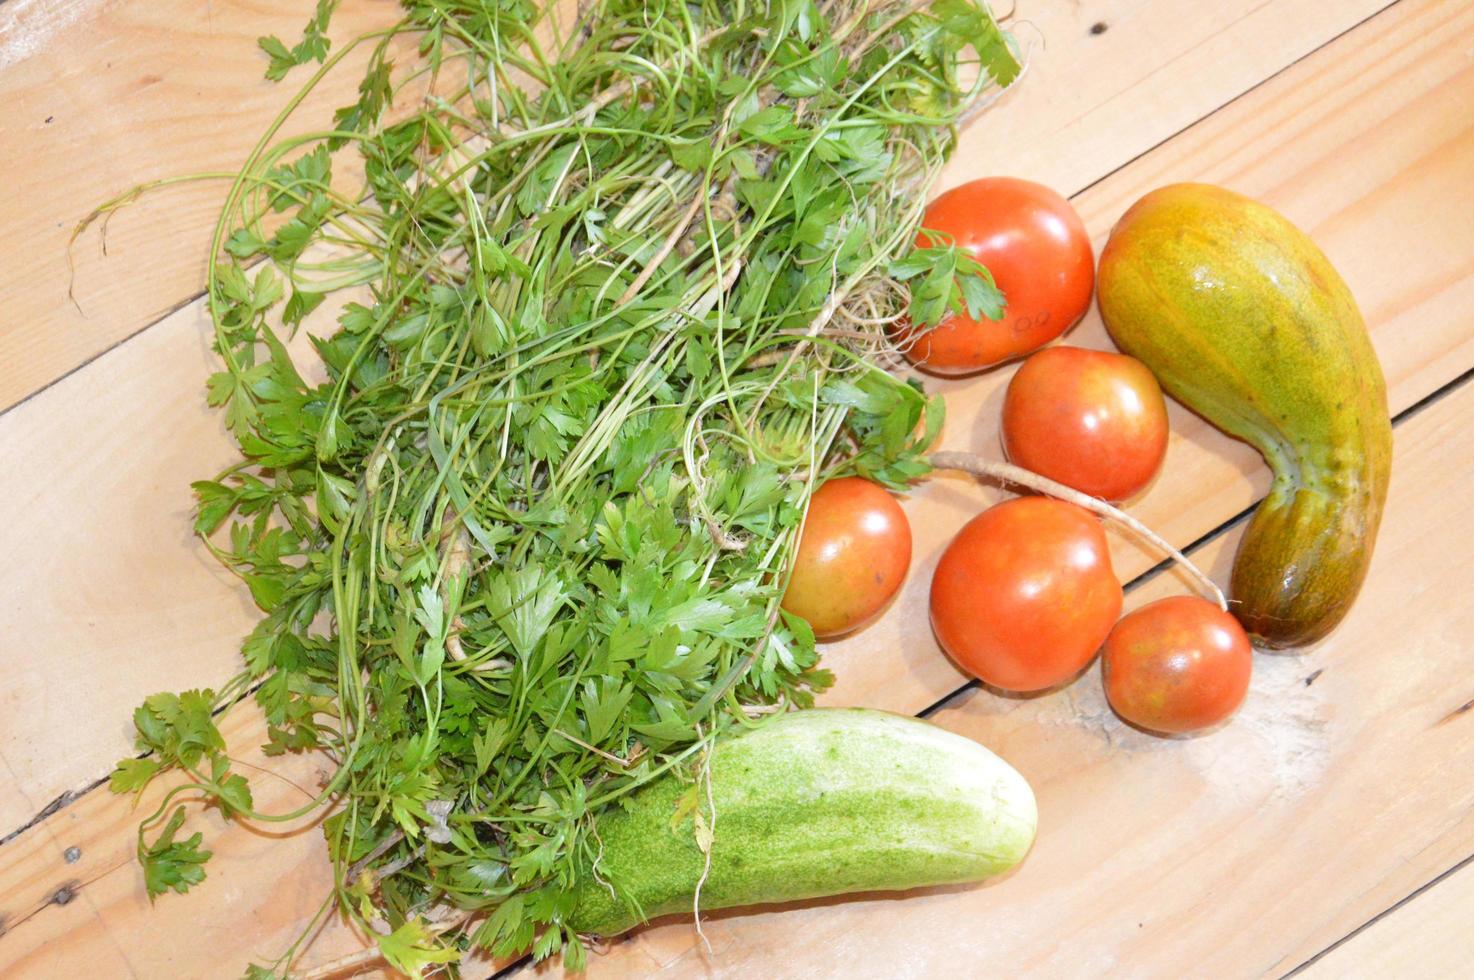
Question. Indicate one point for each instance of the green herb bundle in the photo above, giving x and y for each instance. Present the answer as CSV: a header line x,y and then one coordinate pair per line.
x,y
628,280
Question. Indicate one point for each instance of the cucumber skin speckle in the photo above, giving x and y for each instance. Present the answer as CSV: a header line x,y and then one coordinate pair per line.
x,y
814,803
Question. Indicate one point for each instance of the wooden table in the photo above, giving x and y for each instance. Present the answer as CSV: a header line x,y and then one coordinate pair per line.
x,y
1326,829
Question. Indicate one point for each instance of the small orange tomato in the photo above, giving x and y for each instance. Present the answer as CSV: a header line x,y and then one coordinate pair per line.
x,y
1039,254
853,556
1025,593
1177,665
1092,420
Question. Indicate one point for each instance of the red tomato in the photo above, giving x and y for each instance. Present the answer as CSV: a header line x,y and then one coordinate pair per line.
x,y
853,556
1025,593
1177,665
1091,420
1035,245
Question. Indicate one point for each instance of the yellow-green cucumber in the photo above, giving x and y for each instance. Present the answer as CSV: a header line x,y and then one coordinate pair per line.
x,y
1245,321
811,803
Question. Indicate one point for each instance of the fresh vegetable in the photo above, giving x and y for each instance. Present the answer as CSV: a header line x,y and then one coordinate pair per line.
x,y
521,552
851,559
1090,419
1035,247
811,803
1177,665
1246,322
1024,595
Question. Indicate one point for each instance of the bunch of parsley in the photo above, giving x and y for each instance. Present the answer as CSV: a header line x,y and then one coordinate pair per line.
x,y
624,289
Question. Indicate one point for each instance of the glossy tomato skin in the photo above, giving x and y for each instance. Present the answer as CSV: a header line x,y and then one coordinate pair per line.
x,y
853,556
1092,420
1025,594
1035,245
1177,665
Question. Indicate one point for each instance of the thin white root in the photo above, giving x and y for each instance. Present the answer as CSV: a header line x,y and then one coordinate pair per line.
x,y
763,710
1017,475
665,249
453,648
457,560
711,828
622,763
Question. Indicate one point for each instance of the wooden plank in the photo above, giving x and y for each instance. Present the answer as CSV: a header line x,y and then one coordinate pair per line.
x,y
1020,733
1098,68
104,560
264,885
98,97
111,585
1369,146
72,898
1429,936
105,96
1340,786
1348,785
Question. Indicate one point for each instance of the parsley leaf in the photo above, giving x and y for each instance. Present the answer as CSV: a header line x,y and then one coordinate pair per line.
x,y
312,47
132,775
410,949
518,519
169,864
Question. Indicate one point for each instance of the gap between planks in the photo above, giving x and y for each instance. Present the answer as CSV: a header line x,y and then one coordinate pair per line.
x,y
1036,126
1416,893
199,294
71,796
1445,391
1424,400
1285,812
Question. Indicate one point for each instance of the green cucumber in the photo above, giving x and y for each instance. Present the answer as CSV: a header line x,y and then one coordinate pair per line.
x,y
811,803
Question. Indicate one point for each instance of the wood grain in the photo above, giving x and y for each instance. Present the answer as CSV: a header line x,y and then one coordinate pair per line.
x,y
264,884
1337,789
109,583
1429,936
98,97
106,578
1302,142
1100,68
1401,79
104,96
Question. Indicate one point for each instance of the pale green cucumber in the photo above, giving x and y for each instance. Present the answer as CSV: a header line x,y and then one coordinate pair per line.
x,y
812,803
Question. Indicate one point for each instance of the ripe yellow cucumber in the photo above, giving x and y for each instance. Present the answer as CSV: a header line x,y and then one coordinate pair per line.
x,y
811,803
1244,320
